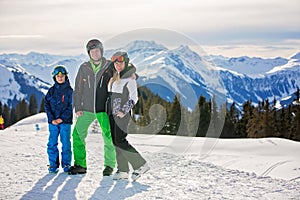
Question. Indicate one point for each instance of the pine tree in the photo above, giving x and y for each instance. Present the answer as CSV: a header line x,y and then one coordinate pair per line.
x,y
175,114
289,123
194,121
276,119
22,110
214,127
267,120
33,107
254,126
183,128
231,118
42,106
1,111
6,115
234,117
204,116
247,113
282,127
13,116
297,122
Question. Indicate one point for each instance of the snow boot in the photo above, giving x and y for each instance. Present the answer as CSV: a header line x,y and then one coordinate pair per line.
x,y
138,172
52,169
77,169
107,171
120,175
66,168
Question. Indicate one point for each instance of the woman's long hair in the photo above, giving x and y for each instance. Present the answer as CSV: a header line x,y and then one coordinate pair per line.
x,y
115,78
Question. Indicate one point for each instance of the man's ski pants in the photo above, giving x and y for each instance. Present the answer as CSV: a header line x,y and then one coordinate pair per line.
x,y
80,133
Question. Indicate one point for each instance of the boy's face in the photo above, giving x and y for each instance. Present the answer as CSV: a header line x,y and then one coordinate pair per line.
x,y
60,78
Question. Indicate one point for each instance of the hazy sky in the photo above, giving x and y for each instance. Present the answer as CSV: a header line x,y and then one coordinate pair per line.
x,y
266,28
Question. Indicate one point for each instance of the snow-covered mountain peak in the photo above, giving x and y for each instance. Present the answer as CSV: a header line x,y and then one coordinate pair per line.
x,y
144,45
170,71
290,64
187,53
296,57
253,67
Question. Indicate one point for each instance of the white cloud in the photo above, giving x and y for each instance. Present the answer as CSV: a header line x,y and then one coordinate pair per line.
x,y
283,49
72,22
20,36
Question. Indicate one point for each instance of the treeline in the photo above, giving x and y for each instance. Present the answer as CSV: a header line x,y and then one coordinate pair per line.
x,y
21,111
207,119
153,115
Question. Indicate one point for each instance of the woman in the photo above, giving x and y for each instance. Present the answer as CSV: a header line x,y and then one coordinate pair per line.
x,y
123,96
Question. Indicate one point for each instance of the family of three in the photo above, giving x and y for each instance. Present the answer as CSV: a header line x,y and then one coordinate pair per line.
x,y
105,90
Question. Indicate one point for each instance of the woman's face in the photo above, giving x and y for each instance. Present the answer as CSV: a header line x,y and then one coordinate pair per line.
x,y
119,66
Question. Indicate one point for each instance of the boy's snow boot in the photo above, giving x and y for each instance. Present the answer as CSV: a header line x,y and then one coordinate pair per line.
x,y
107,171
52,169
66,168
138,172
77,169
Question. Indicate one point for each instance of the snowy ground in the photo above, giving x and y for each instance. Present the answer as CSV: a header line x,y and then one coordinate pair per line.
x,y
181,168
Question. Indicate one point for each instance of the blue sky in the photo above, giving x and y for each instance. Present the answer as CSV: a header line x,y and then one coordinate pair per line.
x,y
266,28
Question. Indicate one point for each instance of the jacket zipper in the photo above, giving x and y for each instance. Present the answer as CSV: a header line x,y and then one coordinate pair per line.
x,y
101,81
95,88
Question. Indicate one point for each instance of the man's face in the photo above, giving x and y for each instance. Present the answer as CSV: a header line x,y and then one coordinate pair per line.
x,y
95,54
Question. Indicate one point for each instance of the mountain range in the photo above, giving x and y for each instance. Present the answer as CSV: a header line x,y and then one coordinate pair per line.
x,y
167,72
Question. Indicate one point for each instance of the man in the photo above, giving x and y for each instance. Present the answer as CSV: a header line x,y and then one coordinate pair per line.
x,y
90,95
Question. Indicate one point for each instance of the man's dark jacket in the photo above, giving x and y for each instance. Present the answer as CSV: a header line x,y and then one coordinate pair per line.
x,y
90,92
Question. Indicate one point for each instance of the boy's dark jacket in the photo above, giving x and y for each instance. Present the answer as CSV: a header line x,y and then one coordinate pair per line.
x,y
58,102
90,92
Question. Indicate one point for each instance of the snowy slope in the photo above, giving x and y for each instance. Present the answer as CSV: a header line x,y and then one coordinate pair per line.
x,y
181,168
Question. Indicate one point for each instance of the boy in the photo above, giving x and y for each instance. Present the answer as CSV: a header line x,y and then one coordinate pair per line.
x,y
58,106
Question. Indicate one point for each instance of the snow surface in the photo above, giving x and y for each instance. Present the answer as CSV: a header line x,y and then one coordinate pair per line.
x,y
181,168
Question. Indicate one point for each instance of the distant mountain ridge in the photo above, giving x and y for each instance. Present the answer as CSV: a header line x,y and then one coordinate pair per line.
x,y
166,72
17,84
24,75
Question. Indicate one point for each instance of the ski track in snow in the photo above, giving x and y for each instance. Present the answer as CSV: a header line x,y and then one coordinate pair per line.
x,y
23,175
